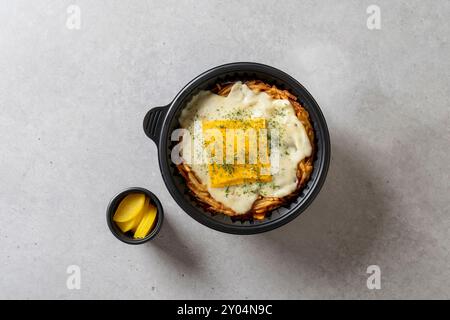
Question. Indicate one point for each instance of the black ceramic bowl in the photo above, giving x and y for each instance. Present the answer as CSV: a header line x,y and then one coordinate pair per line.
x,y
112,207
160,122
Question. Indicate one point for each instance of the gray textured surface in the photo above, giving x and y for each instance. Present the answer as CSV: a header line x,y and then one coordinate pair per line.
x,y
72,103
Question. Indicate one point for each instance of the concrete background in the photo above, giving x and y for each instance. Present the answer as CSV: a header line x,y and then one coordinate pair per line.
x,y
72,104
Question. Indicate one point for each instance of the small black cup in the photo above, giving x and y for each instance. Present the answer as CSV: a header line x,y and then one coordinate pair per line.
x,y
112,207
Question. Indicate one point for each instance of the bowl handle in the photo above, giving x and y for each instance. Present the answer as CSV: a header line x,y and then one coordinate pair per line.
x,y
153,122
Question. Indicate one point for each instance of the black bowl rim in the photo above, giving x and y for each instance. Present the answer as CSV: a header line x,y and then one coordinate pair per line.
x,y
112,206
185,93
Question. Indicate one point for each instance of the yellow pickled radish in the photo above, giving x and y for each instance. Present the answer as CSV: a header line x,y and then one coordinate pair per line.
x,y
130,207
147,222
128,225
133,223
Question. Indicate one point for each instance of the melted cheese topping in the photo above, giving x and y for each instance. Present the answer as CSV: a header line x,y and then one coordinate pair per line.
x,y
243,104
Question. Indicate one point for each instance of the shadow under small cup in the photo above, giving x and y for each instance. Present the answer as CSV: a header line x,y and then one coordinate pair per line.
x,y
125,237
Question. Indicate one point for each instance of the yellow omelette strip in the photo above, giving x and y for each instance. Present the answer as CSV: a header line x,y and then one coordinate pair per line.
x,y
235,174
